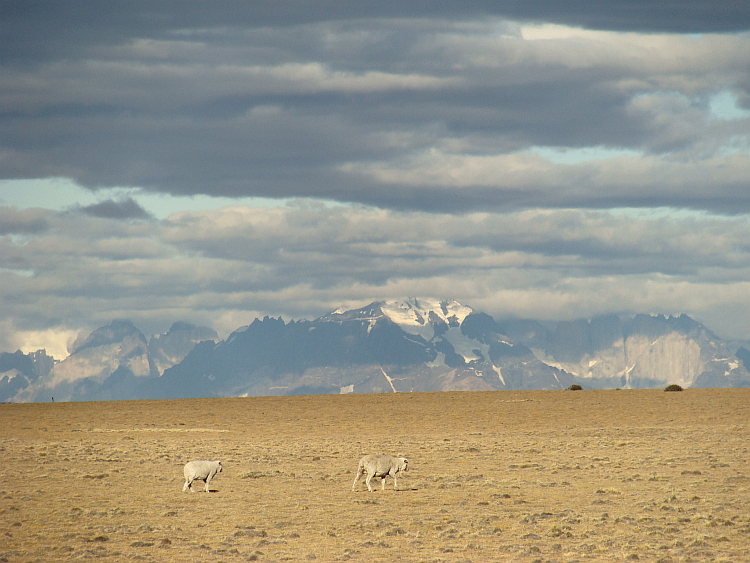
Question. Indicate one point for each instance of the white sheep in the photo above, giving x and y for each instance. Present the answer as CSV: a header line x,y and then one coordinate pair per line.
x,y
380,466
200,471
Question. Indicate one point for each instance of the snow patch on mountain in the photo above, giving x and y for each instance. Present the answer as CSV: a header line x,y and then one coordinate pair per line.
x,y
438,361
417,316
465,346
499,373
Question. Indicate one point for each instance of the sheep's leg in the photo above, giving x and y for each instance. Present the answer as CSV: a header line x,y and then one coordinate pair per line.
x,y
395,483
185,486
369,478
359,474
382,482
208,480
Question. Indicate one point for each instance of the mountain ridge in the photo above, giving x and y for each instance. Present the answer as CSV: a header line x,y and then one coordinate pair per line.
x,y
414,344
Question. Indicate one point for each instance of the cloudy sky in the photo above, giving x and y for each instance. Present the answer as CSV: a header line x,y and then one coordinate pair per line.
x,y
212,162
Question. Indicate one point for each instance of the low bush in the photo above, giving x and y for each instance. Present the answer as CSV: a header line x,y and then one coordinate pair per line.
x,y
574,387
673,387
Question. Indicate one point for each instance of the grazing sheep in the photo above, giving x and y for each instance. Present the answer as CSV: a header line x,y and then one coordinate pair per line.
x,y
380,466
200,471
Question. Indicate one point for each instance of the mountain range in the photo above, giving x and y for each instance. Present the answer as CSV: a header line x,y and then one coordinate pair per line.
x,y
390,346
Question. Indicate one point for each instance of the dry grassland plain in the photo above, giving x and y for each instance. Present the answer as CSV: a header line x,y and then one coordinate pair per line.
x,y
537,476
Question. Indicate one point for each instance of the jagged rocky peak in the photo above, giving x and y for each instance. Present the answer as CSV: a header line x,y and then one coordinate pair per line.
x,y
19,370
112,333
171,348
181,335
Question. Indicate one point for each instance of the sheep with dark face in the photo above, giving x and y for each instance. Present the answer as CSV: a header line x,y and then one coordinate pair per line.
x,y
200,471
380,466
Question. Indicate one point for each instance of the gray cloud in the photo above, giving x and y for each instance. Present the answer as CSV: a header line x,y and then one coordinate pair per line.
x,y
126,208
22,222
479,150
34,30
222,268
361,105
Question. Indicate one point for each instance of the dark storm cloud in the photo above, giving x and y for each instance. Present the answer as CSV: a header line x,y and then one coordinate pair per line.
x,y
126,208
435,106
40,29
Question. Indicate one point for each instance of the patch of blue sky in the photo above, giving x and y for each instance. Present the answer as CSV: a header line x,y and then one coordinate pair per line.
x,y
162,205
60,194
735,144
724,106
721,105
17,272
568,155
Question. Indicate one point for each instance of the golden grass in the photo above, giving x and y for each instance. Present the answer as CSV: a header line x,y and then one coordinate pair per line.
x,y
531,476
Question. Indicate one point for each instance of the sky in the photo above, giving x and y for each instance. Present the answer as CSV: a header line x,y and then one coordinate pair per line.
x,y
214,162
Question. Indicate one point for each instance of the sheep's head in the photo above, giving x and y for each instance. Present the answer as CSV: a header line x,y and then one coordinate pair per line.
x,y
404,464
220,467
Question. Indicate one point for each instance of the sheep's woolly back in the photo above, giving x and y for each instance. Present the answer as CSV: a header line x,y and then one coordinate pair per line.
x,y
382,464
201,469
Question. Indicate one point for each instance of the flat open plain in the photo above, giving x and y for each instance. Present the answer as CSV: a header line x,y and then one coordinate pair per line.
x,y
641,475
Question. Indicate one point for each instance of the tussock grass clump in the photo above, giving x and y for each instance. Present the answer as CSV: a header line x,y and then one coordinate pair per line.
x,y
673,387
574,387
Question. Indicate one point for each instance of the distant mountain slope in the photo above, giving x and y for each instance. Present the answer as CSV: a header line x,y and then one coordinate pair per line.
x,y
111,363
166,350
390,346
91,362
19,370
743,354
643,352
411,345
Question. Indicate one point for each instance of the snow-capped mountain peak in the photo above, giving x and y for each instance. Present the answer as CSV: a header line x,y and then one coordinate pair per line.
x,y
418,316
415,316
414,311
414,344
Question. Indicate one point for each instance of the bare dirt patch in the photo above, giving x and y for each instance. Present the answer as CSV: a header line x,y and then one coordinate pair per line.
x,y
494,476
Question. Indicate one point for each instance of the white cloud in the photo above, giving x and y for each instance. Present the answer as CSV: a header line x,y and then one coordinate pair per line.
x,y
55,341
